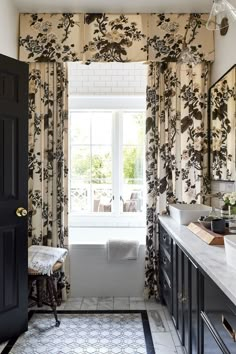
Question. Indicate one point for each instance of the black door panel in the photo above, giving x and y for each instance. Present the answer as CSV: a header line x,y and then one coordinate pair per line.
x,y
13,194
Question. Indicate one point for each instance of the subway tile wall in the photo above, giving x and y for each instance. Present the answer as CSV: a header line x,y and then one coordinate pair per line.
x,y
107,79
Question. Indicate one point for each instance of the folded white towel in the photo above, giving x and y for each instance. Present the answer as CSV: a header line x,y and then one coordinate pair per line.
x,y
119,250
43,258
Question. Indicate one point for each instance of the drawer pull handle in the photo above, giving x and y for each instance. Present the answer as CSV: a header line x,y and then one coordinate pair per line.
x,y
228,328
164,238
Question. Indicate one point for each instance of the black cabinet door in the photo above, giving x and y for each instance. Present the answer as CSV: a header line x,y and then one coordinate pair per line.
x,y
188,313
194,308
174,284
186,300
180,294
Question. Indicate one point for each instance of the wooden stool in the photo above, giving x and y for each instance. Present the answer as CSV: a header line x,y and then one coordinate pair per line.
x,y
50,289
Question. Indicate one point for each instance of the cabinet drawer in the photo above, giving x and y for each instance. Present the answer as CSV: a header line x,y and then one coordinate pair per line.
x,y
165,262
166,290
165,239
220,315
211,344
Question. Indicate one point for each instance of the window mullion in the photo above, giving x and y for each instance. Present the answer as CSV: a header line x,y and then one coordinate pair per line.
x,y
91,166
120,172
115,165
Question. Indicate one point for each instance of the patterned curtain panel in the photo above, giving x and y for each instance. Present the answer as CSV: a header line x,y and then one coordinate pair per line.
x,y
51,37
48,150
176,146
113,37
223,98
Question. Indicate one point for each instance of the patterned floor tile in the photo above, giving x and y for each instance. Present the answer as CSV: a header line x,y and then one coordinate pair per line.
x,y
118,333
164,334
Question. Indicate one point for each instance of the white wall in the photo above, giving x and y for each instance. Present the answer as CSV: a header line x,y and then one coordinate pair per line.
x,y
9,19
225,55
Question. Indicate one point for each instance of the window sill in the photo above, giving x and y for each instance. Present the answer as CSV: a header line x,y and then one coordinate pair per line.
x,y
107,221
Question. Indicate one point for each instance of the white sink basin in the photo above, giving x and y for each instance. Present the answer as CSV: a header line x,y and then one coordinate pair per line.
x,y
186,213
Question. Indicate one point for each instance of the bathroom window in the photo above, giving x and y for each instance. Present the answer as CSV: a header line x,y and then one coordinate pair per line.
x,y
107,183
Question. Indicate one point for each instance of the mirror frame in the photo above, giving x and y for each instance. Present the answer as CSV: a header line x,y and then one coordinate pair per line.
x,y
211,177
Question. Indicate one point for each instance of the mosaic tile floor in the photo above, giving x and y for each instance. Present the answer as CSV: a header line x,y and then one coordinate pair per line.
x,y
87,333
164,336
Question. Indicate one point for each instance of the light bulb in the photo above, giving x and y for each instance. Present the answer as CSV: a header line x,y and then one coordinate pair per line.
x,y
219,6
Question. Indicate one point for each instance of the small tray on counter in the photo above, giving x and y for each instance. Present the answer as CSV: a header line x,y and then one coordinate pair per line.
x,y
208,236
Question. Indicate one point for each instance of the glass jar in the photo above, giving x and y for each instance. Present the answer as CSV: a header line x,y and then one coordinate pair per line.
x,y
224,211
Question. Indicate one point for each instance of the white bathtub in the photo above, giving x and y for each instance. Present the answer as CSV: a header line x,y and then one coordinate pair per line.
x,y
93,275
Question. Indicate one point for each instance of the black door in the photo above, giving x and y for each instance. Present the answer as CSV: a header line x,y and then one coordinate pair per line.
x,y
13,196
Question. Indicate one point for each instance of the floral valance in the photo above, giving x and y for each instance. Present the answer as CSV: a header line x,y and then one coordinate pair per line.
x,y
113,37
51,37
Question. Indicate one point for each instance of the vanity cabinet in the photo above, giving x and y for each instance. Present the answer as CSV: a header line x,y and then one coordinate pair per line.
x,y
219,318
205,319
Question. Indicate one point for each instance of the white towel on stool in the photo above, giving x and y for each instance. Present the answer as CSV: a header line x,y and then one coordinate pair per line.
x,y
119,250
43,258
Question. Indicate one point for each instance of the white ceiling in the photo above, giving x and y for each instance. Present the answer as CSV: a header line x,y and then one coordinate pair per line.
x,y
114,6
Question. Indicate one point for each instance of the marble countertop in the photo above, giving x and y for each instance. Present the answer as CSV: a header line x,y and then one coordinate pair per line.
x,y
211,259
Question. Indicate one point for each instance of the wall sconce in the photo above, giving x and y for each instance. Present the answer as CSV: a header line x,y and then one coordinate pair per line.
x,y
186,56
221,15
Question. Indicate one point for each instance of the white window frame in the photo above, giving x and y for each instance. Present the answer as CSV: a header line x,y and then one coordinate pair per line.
x,y
116,105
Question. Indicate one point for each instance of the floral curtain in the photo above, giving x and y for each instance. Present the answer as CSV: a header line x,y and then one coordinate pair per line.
x,y
176,146
113,37
48,150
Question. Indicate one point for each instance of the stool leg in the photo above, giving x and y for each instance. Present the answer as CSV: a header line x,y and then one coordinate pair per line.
x,y
39,286
55,292
51,291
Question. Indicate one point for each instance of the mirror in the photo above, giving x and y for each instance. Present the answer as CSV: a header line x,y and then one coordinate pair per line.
x,y
222,123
